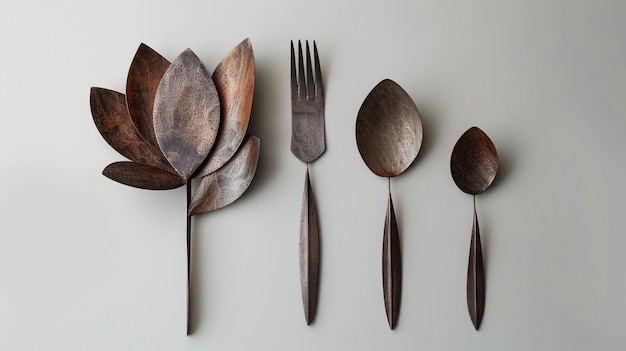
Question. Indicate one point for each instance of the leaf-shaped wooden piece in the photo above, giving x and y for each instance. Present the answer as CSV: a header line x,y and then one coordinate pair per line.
x,y
309,252
476,278
392,266
186,113
223,187
111,117
388,130
234,81
142,176
144,76
474,161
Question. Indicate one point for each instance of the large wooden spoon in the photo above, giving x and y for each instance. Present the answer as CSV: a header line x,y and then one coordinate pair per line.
x,y
389,136
474,165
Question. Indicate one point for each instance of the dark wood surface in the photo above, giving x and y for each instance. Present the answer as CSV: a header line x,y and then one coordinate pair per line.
x,y
308,125
389,137
474,161
474,165
142,176
111,117
392,266
144,76
309,252
388,130
476,277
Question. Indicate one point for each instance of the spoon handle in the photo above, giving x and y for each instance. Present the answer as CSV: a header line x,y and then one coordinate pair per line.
x,y
392,266
309,251
475,276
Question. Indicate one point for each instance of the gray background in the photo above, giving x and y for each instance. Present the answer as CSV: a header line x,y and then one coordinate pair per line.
x,y
89,264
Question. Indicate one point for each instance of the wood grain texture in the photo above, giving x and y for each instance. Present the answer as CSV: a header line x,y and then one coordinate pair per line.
x,y
144,76
111,117
309,252
476,277
308,126
142,176
388,130
474,161
186,113
234,81
227,184
392,266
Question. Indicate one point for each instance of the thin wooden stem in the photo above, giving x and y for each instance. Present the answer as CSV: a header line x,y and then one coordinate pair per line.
x,y
188,261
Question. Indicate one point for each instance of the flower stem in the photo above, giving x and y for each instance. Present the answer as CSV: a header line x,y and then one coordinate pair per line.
x,y
188,261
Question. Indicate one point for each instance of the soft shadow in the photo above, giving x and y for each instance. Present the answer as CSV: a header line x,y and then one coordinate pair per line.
x,y
506,161
265,116
431,126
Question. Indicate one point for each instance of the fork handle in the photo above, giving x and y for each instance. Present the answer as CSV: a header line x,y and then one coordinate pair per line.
x,y
309,251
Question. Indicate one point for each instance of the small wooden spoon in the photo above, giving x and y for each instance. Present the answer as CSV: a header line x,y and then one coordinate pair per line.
x,y
474,165
389,136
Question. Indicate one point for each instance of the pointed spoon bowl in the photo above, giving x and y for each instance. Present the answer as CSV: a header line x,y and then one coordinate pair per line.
x,y
474,165
389,136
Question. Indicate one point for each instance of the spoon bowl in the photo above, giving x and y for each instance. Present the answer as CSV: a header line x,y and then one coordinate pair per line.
x,y
474,162
388,130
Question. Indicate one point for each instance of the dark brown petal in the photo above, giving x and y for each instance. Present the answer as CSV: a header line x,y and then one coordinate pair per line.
x,y
142,176
143,80
110,115
474,161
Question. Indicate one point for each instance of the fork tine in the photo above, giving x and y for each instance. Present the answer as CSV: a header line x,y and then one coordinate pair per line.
x,y
310,82
294,81
301,79
319,85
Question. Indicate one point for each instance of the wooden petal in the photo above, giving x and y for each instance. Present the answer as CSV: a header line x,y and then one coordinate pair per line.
x,y
309,252
142,176
234,80
144,76
476,278
186,113
223,187
110,115
392,266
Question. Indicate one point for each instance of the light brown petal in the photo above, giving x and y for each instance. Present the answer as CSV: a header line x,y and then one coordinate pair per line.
x,y
223,187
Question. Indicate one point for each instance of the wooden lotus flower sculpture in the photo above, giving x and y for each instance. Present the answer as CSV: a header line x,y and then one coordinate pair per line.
x,y
177,123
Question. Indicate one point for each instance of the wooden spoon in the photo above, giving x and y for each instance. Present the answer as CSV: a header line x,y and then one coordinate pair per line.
x,y
389,137
474,165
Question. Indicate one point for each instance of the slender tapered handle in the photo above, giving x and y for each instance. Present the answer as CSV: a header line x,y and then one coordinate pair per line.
x,y
476,277
392,266
188,262
309,252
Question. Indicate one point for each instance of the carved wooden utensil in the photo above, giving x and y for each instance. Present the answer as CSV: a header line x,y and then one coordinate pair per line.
x,y
389,137
177,123
474,165
308,143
